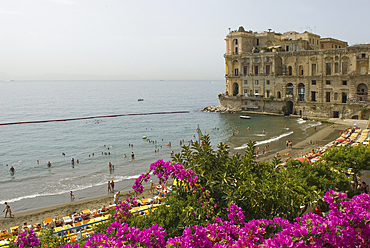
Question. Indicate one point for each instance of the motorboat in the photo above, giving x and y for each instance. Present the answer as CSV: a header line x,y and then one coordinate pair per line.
x,y
140,99
245,117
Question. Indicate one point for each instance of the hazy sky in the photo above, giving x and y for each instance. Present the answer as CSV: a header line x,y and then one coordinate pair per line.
x,y
153,39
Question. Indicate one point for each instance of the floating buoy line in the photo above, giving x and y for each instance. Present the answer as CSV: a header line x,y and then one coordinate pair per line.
x,y
92,117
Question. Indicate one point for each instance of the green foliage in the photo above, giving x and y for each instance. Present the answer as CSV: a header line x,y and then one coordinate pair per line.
x,y
47,239
363,110
262,190
272,97
342,158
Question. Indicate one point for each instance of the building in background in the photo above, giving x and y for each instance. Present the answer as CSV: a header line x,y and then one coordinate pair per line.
x,y
296,73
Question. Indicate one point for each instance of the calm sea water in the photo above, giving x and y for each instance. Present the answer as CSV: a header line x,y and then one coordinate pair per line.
x,y
28,147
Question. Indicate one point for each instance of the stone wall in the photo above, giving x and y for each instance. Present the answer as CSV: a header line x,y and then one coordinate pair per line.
x,y
304,109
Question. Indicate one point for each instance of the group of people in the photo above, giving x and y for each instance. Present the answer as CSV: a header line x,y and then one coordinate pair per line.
x,y
288,144
110,186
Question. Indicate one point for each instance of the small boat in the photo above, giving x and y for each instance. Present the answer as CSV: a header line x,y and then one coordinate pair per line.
x,y
140,99
245,117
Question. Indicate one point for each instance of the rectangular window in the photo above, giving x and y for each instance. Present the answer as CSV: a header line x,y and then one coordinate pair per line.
x,y
267,93
327,97
245,81
267,81
313,69
344,82
328,69
313,82
236,72
295,47
245,70
256,92
313,96
322,45
310,40
267,70
267,59
258,42
245,92
344,67
256,82
336,67
256,70
287,48
328,82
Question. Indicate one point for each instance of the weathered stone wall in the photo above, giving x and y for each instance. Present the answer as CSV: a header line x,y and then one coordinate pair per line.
x,y
304,109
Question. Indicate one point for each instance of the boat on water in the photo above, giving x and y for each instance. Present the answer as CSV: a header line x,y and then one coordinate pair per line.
x,y
140,99
245,117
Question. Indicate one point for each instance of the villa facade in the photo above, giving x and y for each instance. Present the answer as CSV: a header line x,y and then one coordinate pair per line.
x,y
296,73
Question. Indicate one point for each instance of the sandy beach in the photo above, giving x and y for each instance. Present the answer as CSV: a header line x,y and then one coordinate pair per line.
x,y
38,215
323,136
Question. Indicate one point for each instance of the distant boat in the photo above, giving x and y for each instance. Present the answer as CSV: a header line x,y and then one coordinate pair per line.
x,y
140,99
245,117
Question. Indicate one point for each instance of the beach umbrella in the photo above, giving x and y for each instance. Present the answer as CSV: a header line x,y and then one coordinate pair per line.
x,y
303,159
341,139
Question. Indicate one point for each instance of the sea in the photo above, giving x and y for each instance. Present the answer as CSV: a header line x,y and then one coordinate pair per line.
x,y
169,113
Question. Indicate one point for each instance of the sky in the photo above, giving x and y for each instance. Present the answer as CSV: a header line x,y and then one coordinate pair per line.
x,y
152,39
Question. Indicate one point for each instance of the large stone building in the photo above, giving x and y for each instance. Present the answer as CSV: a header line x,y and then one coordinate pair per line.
x,y
296,73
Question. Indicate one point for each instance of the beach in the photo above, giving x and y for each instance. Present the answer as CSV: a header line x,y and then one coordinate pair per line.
x,y
38,215
323,136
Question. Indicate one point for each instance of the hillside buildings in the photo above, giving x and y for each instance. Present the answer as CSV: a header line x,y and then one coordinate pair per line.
x,y
296,73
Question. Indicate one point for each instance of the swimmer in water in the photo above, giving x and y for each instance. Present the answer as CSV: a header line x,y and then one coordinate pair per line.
x,y
49,164
263,132
12,170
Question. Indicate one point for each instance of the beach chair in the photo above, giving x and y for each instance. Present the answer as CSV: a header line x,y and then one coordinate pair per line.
x,y
86,214
48,222
95,213
4,235
67,220
14,230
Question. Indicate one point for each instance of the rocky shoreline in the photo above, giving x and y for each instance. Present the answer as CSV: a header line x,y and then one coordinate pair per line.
x,y
219,109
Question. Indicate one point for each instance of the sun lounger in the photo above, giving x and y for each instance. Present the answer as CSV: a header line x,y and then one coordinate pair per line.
x,y
14,230
48,222
95,213
4,235
67,220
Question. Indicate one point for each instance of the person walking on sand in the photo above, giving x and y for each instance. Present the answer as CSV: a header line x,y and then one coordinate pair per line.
x,y
109,187
72,196
7,210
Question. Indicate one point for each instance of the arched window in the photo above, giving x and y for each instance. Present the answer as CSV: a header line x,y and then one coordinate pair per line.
x,y
290,71
289,89
278,95
301,70
301,92
236,89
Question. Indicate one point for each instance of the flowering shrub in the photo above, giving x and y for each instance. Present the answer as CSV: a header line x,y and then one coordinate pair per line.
x,y
123,209
27,239
346,225
164,171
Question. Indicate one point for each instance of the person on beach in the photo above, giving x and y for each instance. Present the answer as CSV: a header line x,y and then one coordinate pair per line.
x,y
72,196
8,210
116,199
364,188
112,185
109,187
151,187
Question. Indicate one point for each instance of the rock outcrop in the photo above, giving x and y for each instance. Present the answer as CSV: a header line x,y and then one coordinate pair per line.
x,y
218,108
